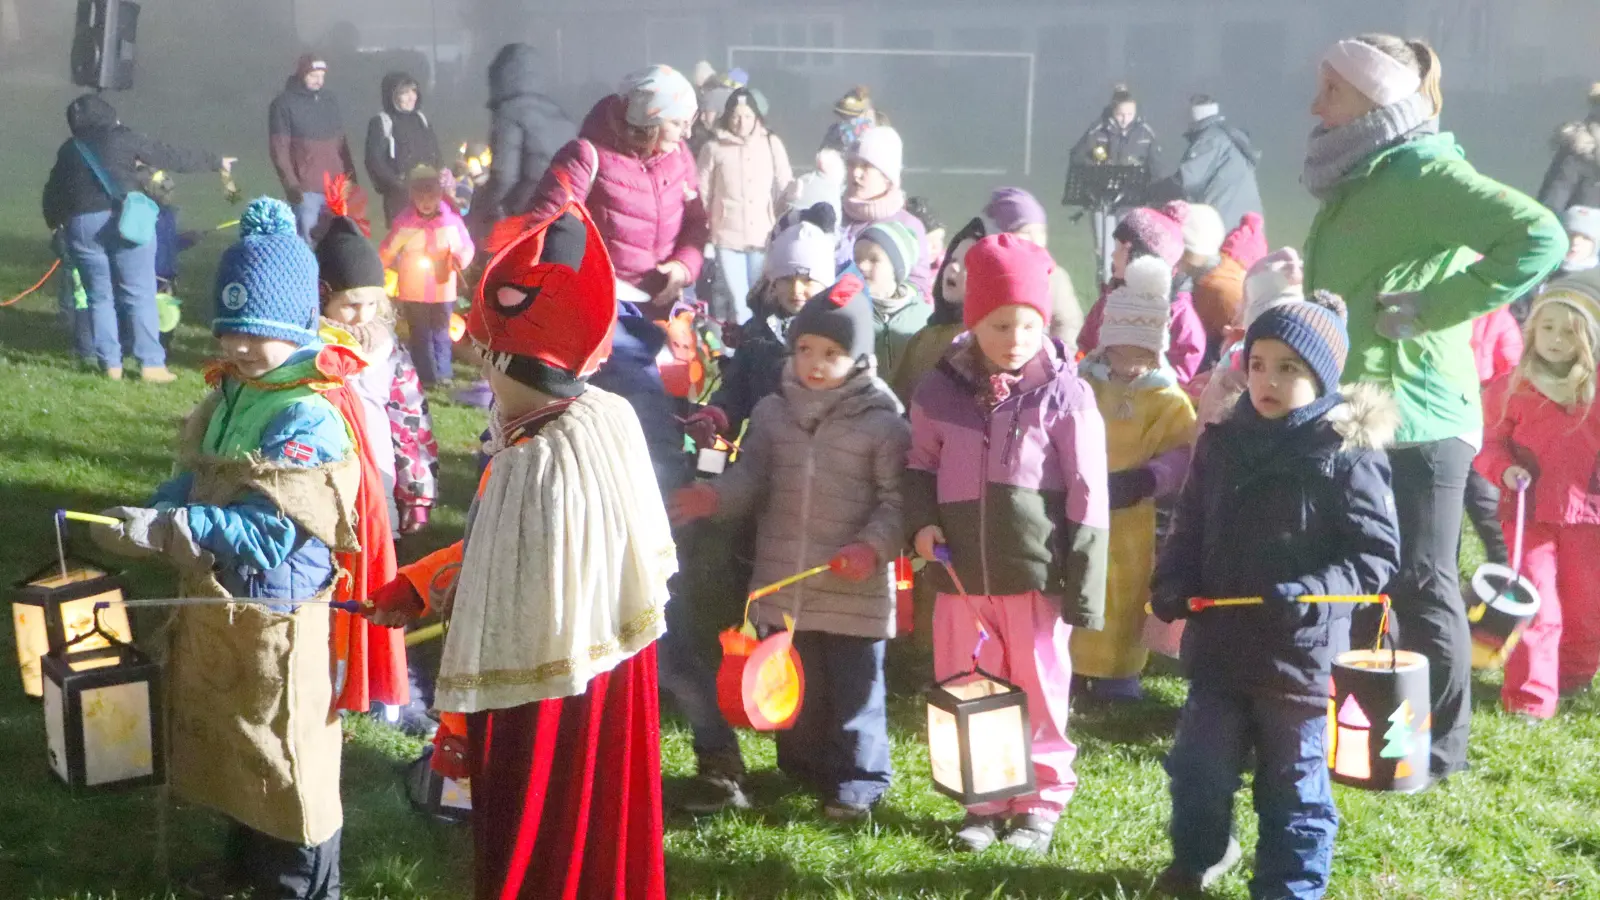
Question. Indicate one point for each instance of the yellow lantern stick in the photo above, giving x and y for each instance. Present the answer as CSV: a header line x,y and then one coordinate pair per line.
x,y
91,518
425,634
1198,604
749,630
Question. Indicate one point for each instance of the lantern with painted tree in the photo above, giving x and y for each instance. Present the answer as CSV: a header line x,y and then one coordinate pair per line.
x,y
1380,720
979,741
102,712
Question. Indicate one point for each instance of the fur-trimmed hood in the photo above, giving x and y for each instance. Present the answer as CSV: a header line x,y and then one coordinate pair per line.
x,y
1580,139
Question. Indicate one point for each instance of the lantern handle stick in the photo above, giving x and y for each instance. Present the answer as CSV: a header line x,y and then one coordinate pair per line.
x,y
777,586
941,552
61,544
91,518
350,606
1522,510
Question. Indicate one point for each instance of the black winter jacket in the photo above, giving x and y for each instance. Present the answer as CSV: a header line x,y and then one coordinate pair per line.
x,y
1135,146
73,189
1280,512
1219,170
410,142
526,128
757,367
1574,175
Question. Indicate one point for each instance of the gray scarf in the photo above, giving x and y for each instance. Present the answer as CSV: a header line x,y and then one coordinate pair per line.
x,y
1332,153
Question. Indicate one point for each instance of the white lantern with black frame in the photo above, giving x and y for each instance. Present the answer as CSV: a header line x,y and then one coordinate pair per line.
x,y
56,605
980,743
437,794
102,712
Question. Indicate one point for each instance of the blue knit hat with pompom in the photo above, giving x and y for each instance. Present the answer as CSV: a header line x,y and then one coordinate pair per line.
x,y
267,282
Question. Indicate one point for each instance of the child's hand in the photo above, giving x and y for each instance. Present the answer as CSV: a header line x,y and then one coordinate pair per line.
x,y
1517,478
395,605
856,562
927,540
704,426
690,504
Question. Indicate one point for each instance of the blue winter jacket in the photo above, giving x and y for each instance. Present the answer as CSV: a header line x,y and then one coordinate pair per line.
x,y
756,369
262,553
1280,511
632,374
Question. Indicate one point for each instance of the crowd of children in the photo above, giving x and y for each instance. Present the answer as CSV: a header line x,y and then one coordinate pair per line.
x,y
889,396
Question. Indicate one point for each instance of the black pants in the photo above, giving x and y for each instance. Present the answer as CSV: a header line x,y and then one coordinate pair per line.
x,y
273,869
1430,481
1483,511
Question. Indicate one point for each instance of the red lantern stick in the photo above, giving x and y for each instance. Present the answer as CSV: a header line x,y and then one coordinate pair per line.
x,y
1199,604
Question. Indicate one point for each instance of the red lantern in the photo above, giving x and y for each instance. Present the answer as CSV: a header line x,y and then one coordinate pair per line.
x,y
761,684
905,607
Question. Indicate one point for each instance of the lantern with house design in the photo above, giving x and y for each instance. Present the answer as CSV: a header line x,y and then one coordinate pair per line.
x,y
56,605
102,712
1380,721
979,741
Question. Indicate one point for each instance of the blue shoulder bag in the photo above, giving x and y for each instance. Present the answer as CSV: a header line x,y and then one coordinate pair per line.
x,y
136,212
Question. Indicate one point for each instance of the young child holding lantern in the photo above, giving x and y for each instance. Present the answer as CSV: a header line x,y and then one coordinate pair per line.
x,y
427,245
1008,472
823,459
1288,497
1542,433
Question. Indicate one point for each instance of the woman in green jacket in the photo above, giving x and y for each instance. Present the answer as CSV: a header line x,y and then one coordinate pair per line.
x,y
1419,244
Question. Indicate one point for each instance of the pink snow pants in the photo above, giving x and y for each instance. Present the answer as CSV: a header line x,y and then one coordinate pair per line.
x,y
1560,648
1027,646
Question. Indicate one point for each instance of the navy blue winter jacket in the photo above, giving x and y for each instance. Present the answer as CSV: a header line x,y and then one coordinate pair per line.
x,y
632,374
1280,510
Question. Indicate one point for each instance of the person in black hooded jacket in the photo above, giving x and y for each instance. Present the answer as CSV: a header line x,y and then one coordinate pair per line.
x,y
526,128
398,140
118,277
1218,168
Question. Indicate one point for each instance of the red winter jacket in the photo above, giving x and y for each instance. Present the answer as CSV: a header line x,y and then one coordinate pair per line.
x,y
1496,344
1559,448
648,211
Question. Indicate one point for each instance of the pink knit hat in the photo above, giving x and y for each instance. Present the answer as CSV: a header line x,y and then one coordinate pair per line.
x,y
1007,270
1161,230
1247,244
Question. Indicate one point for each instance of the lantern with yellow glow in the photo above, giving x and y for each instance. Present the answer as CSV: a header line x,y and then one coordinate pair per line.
x,y
55,605
761,685
437,794
102,713
1380,720
979,741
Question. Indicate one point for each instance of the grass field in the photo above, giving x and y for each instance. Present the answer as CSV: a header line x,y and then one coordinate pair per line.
x,y
1521,824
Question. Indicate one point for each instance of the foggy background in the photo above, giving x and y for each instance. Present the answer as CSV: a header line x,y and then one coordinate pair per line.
x,y
207,69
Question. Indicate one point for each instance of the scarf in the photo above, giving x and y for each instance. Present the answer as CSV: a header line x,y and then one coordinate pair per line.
x,y
1331,154
877,209
904,295
1270,434
810,407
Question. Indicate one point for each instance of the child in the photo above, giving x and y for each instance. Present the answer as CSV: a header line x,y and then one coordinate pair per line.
x,y
822,462
1496,349
1541,430
398,423
1155,232
427,245
1008,468
1274,279
1015,211
562,724
824,184
887,254
1219,290
264,499
1583,235
1288,497
1149,429
929,345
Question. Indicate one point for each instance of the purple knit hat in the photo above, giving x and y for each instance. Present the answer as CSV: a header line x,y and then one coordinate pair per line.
x,y
1013,208
1161,230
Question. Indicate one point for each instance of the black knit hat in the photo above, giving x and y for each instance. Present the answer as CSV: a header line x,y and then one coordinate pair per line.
x,y
346,259
1314,329
842,314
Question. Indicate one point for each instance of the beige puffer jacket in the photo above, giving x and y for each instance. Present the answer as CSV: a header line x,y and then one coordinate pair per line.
x,y
742,179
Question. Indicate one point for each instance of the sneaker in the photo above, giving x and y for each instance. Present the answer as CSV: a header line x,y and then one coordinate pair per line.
x,y
1108,690
157,375
1176,881
845,811
1031,833
712,793
978,833
114,374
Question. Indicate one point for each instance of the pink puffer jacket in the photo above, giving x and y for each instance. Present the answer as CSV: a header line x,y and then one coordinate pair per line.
x,y
648,211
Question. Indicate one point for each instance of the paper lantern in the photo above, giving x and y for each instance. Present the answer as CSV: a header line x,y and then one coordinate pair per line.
x,y
905,604
1380,720
102,715
1501,604
438,794
761,685
55,605
980,744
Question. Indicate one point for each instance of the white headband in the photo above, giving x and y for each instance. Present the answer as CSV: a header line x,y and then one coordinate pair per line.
x,y
1378,76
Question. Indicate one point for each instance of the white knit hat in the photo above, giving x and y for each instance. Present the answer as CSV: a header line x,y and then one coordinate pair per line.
x,y
1584,220
805,248
1203,231
881,148
1137,313
1274,279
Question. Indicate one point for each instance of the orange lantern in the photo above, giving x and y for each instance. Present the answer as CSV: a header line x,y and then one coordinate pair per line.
x,y
761,684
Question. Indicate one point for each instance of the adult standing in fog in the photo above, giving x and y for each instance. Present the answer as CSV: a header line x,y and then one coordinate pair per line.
x,y
307,138
398,140
1218,168
1418,244
743,172
1574,176
1119,138
526,128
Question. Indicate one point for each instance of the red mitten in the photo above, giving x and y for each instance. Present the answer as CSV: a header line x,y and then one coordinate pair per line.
x,y
398,596
695,502
704,426
856,562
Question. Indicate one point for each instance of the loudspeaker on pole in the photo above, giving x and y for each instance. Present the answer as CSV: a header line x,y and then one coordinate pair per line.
x,y
103,44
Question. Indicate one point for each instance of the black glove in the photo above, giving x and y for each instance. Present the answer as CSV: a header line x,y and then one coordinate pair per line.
x,y
1169,609
1130,487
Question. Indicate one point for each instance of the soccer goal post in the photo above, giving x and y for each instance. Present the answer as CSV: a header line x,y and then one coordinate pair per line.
x,y
896,105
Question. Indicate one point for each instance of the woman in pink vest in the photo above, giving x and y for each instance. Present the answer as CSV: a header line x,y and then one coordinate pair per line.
x,y
630,167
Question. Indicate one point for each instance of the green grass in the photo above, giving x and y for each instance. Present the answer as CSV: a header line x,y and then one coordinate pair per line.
x,y
1521,824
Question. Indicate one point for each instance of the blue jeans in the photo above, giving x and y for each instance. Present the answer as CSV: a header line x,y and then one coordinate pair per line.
x,y
690,682
77,322
737,270
1293,796
307,212
117,277
429,343
839,745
